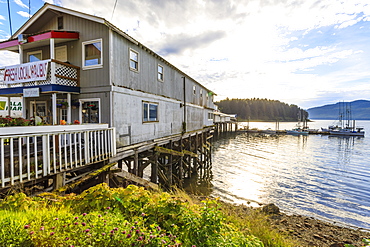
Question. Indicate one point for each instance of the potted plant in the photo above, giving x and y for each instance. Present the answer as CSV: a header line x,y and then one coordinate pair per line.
x,y
64,104
75,104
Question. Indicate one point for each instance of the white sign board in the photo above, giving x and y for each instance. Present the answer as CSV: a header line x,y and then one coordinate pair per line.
x,y
15,107
34,71
31,92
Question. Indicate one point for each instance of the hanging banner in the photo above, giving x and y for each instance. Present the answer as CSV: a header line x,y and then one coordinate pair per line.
x,y
34,71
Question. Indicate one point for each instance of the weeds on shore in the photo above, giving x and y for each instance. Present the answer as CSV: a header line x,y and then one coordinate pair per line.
x,y
102,216
366,243
256,224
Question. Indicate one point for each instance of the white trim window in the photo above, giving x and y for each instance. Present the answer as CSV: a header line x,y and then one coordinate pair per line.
x,y
194,90
34,56
92,54
134,60
150,112
160,73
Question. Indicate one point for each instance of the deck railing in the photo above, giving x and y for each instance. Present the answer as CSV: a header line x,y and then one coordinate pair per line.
x,y
32,152
65,74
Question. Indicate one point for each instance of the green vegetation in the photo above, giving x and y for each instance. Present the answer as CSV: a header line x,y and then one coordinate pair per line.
x,y
257,224
261,109
365,241
132,216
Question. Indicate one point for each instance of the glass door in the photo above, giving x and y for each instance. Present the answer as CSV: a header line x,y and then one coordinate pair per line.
x,y
38,110
90,110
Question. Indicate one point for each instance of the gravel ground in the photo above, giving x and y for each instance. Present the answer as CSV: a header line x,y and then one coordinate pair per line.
x,y
314,232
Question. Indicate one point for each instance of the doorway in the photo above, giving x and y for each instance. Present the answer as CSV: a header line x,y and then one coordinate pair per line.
x,y
90,110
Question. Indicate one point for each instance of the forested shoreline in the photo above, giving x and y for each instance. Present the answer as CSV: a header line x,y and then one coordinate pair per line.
x,y
261,110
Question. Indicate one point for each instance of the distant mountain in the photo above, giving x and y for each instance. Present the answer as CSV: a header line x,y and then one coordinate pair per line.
x,y
360,110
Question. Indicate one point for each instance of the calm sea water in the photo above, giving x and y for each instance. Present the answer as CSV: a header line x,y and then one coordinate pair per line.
x,y
317,175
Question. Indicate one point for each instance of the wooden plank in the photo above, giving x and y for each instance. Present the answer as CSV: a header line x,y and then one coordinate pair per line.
x,y
87,177
168,151
136,179
190,153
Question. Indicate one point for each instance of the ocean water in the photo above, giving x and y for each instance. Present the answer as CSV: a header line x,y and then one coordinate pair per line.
x,y
322,176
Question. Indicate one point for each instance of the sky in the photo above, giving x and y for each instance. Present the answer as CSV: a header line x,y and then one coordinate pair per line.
x,y
304,52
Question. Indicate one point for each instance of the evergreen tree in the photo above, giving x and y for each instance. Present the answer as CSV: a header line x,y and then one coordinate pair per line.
x,y
261,109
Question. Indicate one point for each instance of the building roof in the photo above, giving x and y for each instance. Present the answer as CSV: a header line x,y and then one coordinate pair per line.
x,y
42,15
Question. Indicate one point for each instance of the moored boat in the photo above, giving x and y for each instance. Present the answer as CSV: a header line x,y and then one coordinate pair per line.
x,y
348,131
269,131
346,126
297,131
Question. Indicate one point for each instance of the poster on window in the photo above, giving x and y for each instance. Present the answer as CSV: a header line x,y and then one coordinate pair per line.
x,y
35,71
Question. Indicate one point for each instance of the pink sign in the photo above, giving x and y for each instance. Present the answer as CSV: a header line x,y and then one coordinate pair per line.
x,y
35,71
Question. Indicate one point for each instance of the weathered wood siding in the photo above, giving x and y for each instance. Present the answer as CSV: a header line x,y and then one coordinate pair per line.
x,y
145,79
122,91
131,88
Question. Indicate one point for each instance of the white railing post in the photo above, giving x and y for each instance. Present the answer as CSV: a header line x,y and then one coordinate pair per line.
x,y
65,151
2,163
113,133
60,151
11,161
80,144
106,155
45,151
28,158
36,162
48,152
20,161
100,144
75,142
54,154
86,147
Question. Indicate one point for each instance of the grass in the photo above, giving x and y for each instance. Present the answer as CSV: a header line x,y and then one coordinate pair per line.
x,y
132,216
256,223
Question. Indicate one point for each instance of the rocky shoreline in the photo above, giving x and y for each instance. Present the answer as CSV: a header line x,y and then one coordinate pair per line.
x,y
313,232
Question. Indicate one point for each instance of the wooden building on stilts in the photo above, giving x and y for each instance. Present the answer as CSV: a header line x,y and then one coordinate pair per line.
x,y
136,115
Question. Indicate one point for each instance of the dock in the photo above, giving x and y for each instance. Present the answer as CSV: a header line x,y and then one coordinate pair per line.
x,y
280,132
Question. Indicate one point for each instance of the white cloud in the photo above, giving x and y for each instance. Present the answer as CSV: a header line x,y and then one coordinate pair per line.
x,y
21,4
23,14
268,49
2,17
8,58
3,36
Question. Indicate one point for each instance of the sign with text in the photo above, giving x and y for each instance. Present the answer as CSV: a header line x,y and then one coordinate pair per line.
x,y
34,71
31,92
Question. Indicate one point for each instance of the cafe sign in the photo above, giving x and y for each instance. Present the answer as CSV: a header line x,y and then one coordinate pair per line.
x,y
34,71
31,92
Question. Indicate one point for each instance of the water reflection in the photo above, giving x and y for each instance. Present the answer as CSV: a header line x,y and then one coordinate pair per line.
x,y
320,176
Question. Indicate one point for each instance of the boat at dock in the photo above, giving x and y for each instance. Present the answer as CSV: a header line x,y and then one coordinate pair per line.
x,y
268,131
346,125
297,131
348,131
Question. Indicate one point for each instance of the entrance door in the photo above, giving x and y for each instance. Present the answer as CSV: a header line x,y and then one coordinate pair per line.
x,y
39,109
90,110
